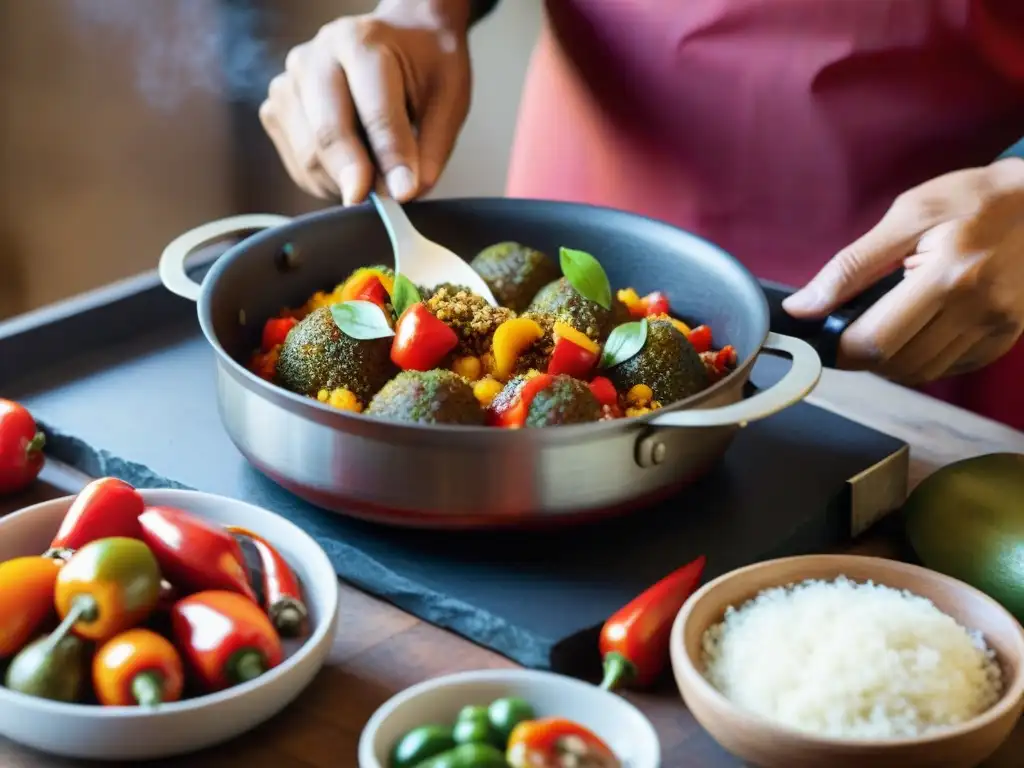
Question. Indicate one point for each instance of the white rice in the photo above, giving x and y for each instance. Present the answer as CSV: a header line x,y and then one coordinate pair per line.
x,y
850,660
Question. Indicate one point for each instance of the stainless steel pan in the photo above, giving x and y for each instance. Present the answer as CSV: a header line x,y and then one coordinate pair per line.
x,y
463,477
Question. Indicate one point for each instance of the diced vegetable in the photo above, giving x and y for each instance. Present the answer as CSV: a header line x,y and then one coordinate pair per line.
x,y
275,330
511,339
421,340
700,338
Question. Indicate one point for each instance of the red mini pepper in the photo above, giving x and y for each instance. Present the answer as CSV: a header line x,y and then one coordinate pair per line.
x,y
511,414
225,638
634,642
275,331
21,447
700,338
554,742
421,340
282,593
193,554
105,508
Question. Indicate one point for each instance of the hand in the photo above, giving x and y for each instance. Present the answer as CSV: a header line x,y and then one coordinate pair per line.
x,y
960,305
372,72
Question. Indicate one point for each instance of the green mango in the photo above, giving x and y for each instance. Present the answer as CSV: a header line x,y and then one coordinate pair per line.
x,y
967,521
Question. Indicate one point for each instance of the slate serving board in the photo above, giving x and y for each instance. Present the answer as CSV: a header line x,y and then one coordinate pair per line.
x,y
140,406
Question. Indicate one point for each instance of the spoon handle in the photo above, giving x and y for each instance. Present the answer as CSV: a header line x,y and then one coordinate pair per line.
x,y
401,231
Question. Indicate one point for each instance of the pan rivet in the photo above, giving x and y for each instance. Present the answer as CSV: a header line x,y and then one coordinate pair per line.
x,y
658,453
287,258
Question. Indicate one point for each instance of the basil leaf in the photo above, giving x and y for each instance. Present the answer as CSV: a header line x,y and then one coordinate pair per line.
x,y
361,320
405,294
624,342
587,276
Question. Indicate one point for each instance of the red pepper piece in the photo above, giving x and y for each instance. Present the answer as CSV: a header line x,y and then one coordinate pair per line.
x,y
193,554
604,391
275,330
513,415
373,290
725,358
421,340
634,641
571,359
105,508
656,303
226,639
554,742
21,447
700,338
282,593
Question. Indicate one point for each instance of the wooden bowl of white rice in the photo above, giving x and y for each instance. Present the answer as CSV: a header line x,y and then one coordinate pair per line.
x,y
841,660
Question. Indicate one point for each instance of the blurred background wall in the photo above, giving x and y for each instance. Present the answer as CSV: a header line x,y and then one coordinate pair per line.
x,y
125,122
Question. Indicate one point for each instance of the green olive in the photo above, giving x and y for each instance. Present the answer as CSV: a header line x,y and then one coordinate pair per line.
x,y
421,744
506,714
468,756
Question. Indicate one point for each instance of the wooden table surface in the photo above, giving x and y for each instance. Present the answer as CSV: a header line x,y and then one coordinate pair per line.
x,y
380,650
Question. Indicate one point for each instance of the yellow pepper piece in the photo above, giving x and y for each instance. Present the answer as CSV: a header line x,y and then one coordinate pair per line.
x,y
682,327
566,331
630,298
640,394
342,399
468,367
486,390
511,339
358,281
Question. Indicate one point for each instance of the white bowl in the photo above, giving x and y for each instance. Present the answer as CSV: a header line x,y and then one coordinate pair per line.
x,y
613,719
131,733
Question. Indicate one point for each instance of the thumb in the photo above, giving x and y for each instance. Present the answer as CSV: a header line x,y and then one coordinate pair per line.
x,y
438,130
853,269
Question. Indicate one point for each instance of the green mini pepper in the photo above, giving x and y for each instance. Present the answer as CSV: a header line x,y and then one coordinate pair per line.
x,y
421,744
468,756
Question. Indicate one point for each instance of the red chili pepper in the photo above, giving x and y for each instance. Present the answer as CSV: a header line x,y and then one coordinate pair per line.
x,y
193,554
225,638
282,593
275,330
421,340
554,742
604,391
373,290
656,303
21,447
571,359
512,415
700,338
105,508
634,642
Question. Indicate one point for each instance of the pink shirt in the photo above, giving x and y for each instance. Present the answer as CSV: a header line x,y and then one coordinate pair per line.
x,y
779,129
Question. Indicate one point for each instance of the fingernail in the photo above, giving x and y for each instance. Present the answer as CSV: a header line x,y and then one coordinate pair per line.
x,y
805,300
351,182
401,183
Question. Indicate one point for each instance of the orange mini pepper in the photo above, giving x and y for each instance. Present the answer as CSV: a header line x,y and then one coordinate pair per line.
x,y
137,667
554,742
26,599
225,638
106,587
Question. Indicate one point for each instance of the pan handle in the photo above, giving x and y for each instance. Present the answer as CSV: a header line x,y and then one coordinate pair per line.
x,y
823,334
798,382
172,261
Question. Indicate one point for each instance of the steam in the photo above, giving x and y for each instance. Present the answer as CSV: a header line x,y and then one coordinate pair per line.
x,y
180,46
